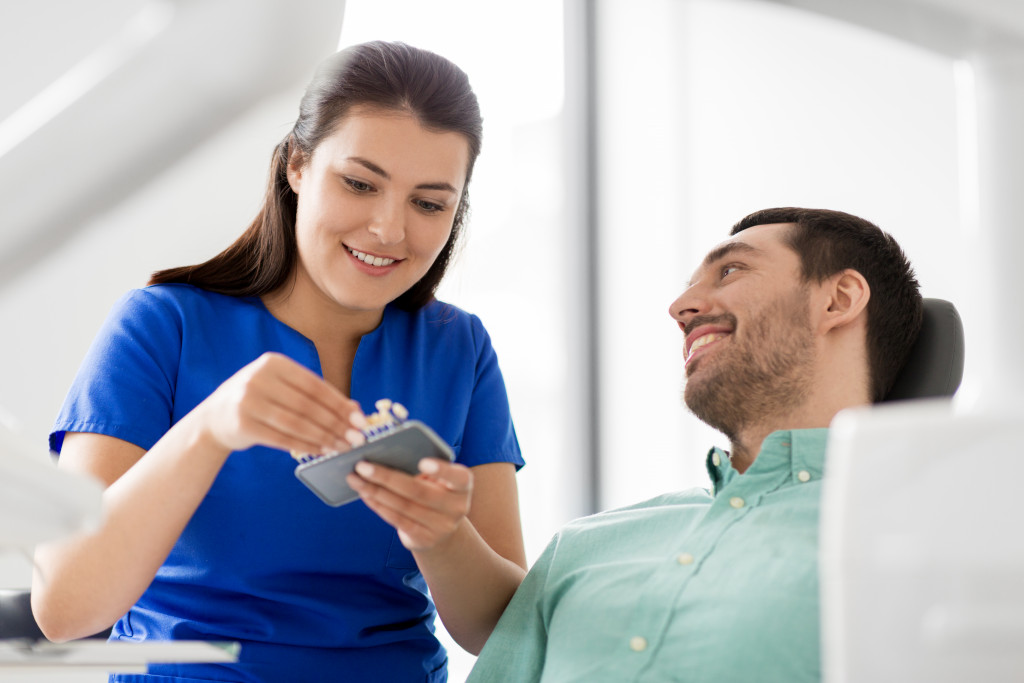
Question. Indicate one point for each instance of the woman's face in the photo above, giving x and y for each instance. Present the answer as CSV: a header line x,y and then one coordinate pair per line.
x,y
376,202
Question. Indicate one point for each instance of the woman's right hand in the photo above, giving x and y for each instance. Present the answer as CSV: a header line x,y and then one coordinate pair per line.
x,y
274,401
84,583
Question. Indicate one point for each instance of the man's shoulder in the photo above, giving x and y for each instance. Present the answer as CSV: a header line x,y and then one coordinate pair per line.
x,y
637,531
675,502
686,497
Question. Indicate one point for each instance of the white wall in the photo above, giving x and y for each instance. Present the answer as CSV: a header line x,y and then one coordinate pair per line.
x,y
187,214
712,109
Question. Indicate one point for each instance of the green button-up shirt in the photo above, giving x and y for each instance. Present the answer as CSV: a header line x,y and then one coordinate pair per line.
x,y
694,586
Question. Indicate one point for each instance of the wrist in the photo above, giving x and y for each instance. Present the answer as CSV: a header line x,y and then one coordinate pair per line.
x,y
201,438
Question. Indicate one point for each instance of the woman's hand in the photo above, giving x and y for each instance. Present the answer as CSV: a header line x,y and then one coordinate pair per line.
x,y
426,509
274,401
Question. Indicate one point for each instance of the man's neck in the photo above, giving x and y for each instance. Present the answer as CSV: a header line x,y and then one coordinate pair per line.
x,y
815,413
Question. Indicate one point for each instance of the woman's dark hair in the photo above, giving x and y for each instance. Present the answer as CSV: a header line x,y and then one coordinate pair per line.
x,y
388,76
829,242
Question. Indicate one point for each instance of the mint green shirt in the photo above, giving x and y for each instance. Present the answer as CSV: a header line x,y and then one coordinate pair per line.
x,y
694,586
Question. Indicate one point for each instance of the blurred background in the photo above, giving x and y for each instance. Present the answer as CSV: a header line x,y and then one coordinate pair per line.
x,y
622,140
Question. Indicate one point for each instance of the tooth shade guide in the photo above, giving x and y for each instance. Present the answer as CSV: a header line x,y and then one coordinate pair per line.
x,y
388,416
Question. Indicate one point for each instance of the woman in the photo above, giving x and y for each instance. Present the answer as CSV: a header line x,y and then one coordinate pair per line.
x,y
198,385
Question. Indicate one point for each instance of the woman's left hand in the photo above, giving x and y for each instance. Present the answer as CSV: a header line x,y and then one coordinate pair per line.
x,y
426,509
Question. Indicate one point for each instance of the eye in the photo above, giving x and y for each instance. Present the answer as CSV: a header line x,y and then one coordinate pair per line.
x,y
428,206
358,185
729,270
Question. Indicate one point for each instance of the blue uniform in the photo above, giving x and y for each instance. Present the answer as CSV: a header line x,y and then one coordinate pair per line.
x,y
313,593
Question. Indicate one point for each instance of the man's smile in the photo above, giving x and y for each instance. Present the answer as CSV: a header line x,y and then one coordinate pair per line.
x,y
701,338
703,341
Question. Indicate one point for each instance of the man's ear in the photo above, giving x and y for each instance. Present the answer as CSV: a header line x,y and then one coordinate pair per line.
x,y
848,294
296,165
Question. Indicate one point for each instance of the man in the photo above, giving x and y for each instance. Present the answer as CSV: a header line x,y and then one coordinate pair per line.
x,y
802,313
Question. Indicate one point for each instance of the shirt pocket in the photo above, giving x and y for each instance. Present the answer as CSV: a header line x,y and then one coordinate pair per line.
x,y
399,557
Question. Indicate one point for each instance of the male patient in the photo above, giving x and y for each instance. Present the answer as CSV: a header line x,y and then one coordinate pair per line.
x,y
801,313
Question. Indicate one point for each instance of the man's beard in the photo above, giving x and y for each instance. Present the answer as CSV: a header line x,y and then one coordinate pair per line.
x,y
767,375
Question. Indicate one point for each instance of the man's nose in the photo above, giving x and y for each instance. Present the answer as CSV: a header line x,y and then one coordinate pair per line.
x,y
388,222
690,303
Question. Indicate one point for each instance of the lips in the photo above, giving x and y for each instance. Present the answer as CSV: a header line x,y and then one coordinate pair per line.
x,y
703,337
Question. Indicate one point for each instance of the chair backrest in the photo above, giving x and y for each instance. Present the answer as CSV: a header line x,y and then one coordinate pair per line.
x,y
17,622
16,619
936,363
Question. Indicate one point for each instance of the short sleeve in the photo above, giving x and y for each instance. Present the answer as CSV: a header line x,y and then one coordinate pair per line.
x,y
517,649
125,385
489,434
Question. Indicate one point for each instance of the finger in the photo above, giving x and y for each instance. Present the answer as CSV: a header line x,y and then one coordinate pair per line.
x,y
453,476
319,391
300,415
417,531
311,409
402,484
268,435
295,421
287,382
419,499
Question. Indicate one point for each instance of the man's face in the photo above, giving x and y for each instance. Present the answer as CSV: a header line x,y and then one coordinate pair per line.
x,y
748,341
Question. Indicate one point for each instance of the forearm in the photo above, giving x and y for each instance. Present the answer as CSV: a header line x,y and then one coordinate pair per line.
x,y
470,583
83,584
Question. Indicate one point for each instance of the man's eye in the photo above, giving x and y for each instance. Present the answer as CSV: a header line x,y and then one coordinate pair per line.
x,y
726,270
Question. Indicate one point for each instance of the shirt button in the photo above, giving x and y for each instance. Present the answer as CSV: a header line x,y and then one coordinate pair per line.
x,y
737,502
637,643
803,475
716,459
684,558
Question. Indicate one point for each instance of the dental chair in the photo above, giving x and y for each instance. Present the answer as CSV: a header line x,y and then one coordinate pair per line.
x,y
936,363
920,556
17,622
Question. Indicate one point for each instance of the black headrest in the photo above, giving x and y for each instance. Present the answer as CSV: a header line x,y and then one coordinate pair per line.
x,y
936,363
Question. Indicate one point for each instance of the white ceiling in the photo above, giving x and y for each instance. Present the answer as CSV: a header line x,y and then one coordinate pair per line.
x,y
99,96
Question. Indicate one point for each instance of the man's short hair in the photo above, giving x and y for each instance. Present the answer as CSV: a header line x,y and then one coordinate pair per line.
x,y
829,242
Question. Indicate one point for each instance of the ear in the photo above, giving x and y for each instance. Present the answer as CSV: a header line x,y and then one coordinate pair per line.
x,y
296,165
847,300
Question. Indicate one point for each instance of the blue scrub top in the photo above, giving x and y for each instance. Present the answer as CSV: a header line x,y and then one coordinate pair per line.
x,y
312,592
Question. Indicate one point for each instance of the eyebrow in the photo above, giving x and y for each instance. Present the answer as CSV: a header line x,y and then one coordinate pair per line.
x,y
374,168
723,250
720,252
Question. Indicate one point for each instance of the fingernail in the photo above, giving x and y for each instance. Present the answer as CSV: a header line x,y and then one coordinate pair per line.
x,y
355,437
364,468
358,420
429,466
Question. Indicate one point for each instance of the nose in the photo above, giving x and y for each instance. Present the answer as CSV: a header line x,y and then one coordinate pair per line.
x,y
693,301
388,222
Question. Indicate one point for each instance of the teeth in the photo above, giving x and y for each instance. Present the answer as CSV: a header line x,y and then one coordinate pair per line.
x,y
371,260
704,341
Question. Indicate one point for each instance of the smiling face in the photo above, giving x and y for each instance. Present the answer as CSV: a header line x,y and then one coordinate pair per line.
x,y
376,202
748,340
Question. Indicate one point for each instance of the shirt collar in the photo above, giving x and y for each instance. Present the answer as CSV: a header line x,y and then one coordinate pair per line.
x,y
799,453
